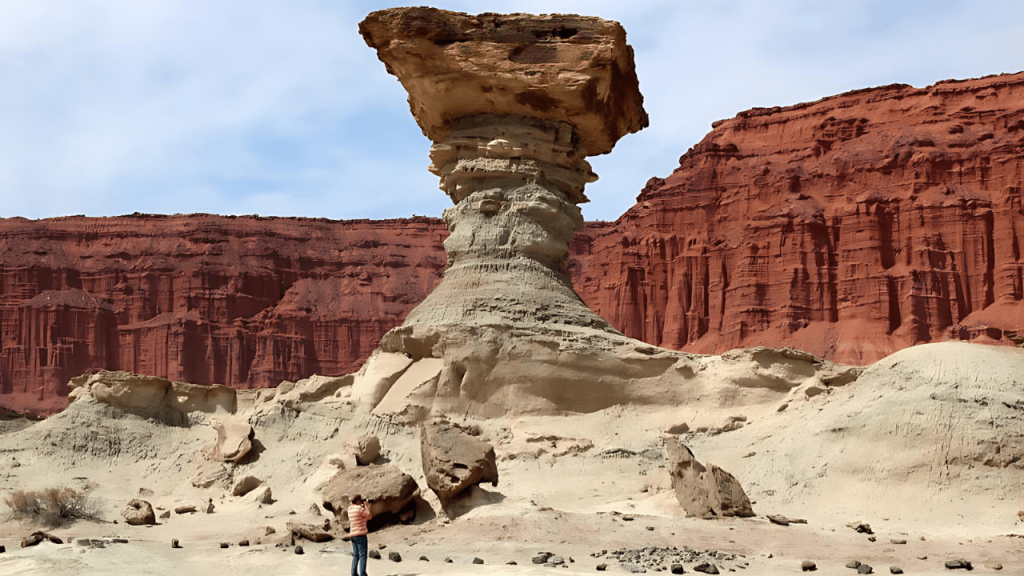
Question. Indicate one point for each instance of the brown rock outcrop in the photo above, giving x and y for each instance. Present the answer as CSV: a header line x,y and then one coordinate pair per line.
x,y
391,490
704,492
152,396
850,227
454,460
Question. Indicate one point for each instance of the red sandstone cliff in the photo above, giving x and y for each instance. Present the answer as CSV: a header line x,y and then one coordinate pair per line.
x,y
849,227
199,298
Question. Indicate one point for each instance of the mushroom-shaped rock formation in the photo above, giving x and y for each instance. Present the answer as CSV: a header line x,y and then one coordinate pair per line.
x,y
514,105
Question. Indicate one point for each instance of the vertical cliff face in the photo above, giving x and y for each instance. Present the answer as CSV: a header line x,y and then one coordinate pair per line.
x,y
205,299
850,227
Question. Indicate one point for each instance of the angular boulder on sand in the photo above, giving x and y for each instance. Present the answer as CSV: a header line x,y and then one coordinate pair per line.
x,y
391,490
209,474
454,460
312,532
234,440
244,485
704,492
365,448
139,513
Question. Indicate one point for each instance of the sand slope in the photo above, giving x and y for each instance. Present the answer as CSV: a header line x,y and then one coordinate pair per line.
x,y
924,446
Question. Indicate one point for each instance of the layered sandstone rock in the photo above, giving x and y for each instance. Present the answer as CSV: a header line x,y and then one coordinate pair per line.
x,y
557,67
514,105
850,227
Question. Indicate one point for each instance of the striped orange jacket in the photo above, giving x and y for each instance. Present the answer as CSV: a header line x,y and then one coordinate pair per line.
x,y
357,517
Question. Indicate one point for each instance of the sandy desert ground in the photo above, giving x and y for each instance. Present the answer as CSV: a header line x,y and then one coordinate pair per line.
x,y
925,447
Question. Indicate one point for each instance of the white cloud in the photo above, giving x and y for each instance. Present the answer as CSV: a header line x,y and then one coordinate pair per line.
x,y
279,108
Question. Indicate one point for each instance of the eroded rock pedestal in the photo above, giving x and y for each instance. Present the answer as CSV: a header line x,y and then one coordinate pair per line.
x,y
514,105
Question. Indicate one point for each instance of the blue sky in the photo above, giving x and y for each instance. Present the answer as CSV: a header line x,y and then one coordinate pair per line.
x,y
279,108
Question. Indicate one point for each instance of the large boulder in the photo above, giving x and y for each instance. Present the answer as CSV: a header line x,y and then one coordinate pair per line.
x,y
234,440
391,490
704,492
139,513
365,448
244,485
454,460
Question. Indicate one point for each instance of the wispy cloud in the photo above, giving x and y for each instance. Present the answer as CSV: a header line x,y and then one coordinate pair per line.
x,y
116,106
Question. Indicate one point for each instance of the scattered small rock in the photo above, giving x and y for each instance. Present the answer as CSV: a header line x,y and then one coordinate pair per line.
x,y
808,566
959,564
706,568
394,556
989,565
898,541
37,537
542,558
373,554
262,494
478,561
2,549
225,545
783,521
185,509
299,550
650,528
311,532
208,508
861,527
865,569
872,538
165,515
895,570
556,560
448,560
243,543
602,567
424,559
174,543
677,569
853,564
512,563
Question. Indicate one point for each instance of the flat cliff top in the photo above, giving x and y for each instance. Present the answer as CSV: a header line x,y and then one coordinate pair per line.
x,y
576,69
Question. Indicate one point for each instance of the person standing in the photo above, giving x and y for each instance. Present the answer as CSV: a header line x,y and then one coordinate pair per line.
x,y
358,514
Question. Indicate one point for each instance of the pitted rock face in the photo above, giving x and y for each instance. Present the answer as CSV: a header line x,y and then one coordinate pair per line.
x,y
568,68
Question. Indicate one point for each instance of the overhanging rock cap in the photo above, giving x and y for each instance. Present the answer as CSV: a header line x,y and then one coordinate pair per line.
x,y
575,69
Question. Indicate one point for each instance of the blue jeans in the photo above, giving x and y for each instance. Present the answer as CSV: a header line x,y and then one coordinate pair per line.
x,y
359,555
